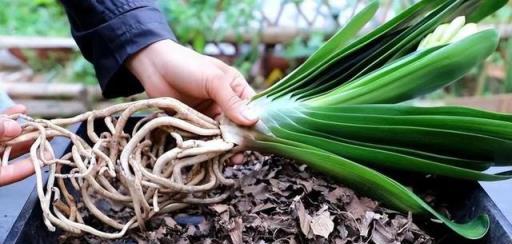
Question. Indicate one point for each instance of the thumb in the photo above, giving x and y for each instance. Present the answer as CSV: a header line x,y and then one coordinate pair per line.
x,y
9,128
232,105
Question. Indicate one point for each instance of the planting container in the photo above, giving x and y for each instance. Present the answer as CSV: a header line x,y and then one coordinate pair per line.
x,y
21,218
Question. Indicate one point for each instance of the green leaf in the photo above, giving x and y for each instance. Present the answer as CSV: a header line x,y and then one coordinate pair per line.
x,y
391,41
485,8
369,181
493,128
508,66
362,47
439,141
327,50
404,110
416,74
291,130
340,134
314,114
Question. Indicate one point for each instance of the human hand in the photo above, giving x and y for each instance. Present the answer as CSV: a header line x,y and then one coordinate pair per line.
x,y
9,129
168,69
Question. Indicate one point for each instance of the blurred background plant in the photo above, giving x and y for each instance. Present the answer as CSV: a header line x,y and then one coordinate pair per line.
x,y
264,39
33,17
197,18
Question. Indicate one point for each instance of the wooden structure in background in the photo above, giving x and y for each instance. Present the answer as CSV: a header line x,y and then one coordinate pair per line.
x,y
496,103
269,35
50,100
37,42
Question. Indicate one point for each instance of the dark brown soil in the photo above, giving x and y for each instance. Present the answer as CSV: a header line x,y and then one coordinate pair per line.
x,y
279,201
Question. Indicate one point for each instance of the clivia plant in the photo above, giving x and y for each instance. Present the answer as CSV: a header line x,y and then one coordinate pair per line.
x,y
340,112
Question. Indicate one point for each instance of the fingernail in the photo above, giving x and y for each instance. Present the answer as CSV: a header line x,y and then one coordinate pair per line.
x,y
11,128
249,114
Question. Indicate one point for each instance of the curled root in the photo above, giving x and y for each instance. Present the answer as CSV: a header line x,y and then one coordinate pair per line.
x,y
165,163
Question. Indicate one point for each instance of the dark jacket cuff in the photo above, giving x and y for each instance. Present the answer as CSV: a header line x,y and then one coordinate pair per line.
x,y
112,43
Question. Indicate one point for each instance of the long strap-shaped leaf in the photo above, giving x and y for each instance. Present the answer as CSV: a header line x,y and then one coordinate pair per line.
x,y
381,158
408,40
411,141
404,110
288,128
444,142
350,56
485,8
494,128
466,8
412,79
327,51
388,70
288,107
372,50
369,181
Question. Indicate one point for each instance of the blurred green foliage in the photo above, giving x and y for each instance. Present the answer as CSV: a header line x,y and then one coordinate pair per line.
x,y
33,17
44,18
193,20
300,48
196,21
79,70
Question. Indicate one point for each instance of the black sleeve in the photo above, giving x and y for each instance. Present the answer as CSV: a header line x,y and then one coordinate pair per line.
x,y
109,31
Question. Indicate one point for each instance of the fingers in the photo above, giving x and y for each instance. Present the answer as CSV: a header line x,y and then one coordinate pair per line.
x,y
9,129
16,109
230,91
247,92
19,149
232,105
238,82
242,89
209,108
16,171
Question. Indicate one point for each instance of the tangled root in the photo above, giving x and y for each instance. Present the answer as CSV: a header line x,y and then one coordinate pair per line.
x,y
164,164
